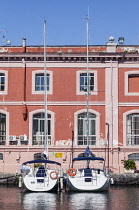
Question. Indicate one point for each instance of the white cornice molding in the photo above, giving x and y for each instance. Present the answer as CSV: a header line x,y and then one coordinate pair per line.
x,y
66,103
51,65
51,103
129,65
128,104
68,64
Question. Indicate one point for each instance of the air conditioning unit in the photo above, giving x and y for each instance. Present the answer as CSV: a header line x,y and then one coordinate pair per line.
x,y
12,138
23,137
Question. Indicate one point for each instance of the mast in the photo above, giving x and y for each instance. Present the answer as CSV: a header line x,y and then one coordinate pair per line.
x,y
88,93
45,97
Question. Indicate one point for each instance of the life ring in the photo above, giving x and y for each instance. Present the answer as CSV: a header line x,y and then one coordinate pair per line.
x,y
53,175
72,171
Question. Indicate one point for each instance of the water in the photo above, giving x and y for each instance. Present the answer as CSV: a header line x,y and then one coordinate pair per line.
x,y
117,198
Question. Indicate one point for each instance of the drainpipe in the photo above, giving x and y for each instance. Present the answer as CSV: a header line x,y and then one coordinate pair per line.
x,y
24,107
24,111
72,148
108,145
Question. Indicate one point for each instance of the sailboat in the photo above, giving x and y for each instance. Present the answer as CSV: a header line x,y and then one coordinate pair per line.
x,y
91,176
44,177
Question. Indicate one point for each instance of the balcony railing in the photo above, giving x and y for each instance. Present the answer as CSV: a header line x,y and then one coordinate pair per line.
x,y
39,139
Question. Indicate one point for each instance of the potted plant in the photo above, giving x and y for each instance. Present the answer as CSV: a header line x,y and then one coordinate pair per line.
x,y
129,166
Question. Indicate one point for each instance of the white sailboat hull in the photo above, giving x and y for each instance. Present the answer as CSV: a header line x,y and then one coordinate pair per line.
x,y
41,184
79,185
46,185
97,182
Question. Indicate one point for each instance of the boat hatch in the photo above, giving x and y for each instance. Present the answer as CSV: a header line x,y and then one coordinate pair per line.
x,y
40,180
41,172
88,175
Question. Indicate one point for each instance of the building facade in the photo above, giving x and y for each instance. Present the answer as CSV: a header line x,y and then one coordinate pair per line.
x,y
113,103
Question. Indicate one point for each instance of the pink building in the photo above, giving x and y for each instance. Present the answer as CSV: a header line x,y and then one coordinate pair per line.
x,y
113,103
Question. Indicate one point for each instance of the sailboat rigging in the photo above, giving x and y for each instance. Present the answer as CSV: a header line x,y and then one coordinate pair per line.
x,y
87,178
45,99
43,178
87,94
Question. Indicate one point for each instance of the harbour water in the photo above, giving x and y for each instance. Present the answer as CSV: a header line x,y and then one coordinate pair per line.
x,y
117,198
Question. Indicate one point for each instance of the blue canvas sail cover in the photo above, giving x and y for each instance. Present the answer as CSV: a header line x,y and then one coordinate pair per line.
x,y
88,152
87,158
41,161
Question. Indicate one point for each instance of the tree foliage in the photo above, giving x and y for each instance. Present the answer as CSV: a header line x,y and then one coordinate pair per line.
x,y
129,164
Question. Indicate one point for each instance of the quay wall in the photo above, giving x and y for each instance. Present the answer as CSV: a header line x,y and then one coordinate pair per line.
x,y
125,178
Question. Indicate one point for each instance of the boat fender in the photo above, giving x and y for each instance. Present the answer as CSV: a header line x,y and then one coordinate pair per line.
x,y
20,182
72,171
53,175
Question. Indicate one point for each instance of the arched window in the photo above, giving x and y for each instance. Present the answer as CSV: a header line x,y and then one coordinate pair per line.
x,y
133,156
2,129
83,127
132,129
38,129
1,156
38,156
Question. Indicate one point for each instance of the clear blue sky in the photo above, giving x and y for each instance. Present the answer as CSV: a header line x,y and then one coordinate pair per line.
x,y
65,21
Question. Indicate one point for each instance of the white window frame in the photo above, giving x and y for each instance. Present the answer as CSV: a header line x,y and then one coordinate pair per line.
x,y
78,92
31,124
5,92
50,91
84,135
76,126
125,127
127,73
7,126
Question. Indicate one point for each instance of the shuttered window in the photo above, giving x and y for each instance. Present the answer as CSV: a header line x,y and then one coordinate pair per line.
x,y
133,83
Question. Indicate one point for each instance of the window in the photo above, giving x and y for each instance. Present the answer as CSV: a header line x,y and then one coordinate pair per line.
x,y
38,156
132,129
38,129
133,156
2,129
3,82
81,86
38,82
132,83
82,129
83,82
1,156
